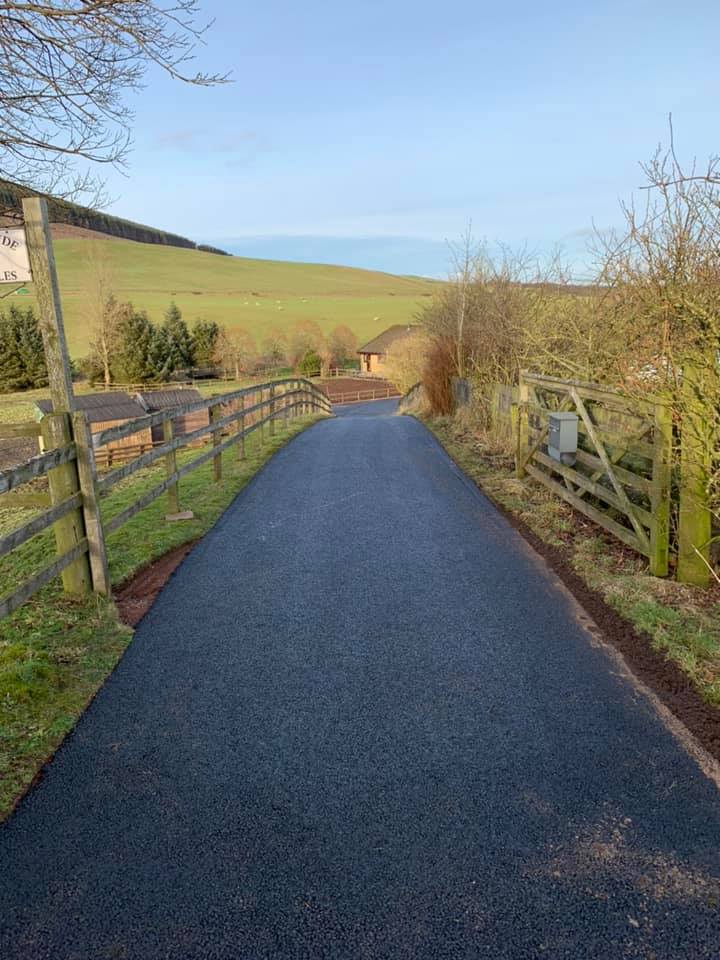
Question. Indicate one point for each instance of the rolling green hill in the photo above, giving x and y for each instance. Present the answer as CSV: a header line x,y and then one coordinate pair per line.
x,y
256,295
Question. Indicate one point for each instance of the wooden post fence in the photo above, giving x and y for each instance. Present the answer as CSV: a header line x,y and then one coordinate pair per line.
x,y
64,482
170,470
241,428
72,507
273,404
87,474
696,450
522,427
660,491
215,412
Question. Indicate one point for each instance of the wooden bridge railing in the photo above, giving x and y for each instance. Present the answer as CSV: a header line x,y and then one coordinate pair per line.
x,y
358,396
74,510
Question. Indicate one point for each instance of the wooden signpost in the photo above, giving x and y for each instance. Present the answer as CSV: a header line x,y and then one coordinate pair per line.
x,y
64,481
14,262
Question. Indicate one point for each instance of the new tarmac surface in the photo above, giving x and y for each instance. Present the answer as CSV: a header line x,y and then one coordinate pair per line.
x,y
363,721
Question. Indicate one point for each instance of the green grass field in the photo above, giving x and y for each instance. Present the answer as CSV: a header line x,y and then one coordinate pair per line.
x,y
256,295
19,407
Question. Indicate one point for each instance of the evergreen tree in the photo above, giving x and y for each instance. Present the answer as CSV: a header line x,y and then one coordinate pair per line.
x,y
22,357
205,335
11,368
32,351
160,358
177,342
135,360
311,364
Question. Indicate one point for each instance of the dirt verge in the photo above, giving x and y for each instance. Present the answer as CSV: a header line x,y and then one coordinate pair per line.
x,y
135,597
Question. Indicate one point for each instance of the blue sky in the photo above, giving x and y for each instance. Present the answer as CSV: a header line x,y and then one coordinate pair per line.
x,y
370,133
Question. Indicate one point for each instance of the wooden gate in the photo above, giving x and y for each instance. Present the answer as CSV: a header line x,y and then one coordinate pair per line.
x,y
622,472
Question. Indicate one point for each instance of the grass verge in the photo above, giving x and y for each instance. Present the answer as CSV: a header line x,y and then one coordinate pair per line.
x,y
682,622
56,651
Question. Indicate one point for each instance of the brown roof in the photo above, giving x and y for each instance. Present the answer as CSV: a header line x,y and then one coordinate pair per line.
x,y
153,400
102,407
383,340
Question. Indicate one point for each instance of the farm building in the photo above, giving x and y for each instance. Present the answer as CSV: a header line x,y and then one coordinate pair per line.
x,y
153,400
372,355
108,410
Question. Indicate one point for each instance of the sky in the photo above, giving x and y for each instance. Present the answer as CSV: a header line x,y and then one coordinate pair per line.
x,y
372,133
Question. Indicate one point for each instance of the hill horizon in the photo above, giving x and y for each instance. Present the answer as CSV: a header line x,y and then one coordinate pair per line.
x,y
253,294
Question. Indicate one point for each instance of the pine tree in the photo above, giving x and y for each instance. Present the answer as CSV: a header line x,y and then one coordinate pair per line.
x,y
160,358
11,369
178,342
205,335
22,357
135,361
32,351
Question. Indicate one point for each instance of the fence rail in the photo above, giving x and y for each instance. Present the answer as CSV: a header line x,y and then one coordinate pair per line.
x,y
358,396
75,494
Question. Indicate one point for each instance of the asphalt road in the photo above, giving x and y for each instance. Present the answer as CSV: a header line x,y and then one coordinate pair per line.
x,y
362,721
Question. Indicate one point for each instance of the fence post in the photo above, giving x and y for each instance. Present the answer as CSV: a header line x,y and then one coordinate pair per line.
x,y
660,491
64,481
170,468
522,427
695,518
217,459
241,429
47,292
87,475
261,414
271,393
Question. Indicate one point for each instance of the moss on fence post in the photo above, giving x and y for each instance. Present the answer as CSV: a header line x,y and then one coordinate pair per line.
x,y
660,491
696,447
522,427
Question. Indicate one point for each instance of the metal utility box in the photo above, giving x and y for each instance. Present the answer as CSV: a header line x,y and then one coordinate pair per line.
x,y
563,437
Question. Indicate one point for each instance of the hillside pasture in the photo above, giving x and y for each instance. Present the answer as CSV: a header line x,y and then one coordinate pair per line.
x,y
255,295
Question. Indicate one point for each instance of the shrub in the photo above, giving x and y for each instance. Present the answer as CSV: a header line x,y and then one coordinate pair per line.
x,y
310,364
437,376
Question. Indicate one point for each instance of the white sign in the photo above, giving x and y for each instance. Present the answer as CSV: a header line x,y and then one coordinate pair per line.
x,y
14,263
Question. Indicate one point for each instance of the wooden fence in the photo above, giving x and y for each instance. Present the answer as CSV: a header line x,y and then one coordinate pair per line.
x,y
359,396
75,494
621,476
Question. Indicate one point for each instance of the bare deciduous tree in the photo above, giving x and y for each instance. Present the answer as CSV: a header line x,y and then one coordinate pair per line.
x,y
304,336
405,360
101,312
235,352
342,344
66,67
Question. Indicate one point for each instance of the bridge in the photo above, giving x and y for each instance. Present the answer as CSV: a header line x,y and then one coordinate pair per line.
x,y
363,719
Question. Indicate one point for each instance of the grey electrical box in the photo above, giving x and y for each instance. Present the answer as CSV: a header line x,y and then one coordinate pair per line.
x,y
563,437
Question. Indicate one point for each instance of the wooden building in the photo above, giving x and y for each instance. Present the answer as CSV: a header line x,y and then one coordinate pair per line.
x,y
108,410
153,400
372,355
